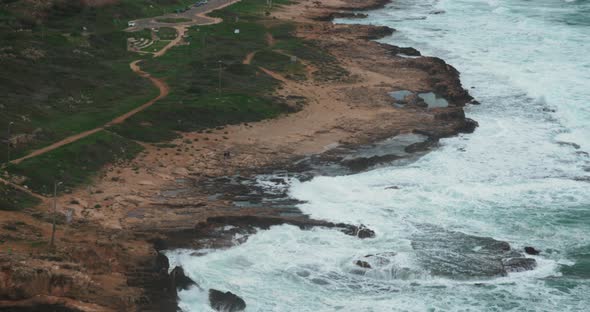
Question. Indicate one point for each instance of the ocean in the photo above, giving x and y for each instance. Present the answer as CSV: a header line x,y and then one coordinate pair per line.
x,y
522,177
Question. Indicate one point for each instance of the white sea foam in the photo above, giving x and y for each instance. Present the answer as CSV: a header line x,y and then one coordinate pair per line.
x,y
517,178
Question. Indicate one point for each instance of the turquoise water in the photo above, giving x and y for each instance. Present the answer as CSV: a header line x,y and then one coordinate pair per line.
x,y
521,177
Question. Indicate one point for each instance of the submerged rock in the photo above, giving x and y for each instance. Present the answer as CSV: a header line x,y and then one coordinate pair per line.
x,y
360,231
225,301
462,256
519,264
531,251
363,264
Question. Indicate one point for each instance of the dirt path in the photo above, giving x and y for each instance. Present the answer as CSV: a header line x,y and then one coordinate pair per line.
x,y
160,84
248,59
180,31
23,189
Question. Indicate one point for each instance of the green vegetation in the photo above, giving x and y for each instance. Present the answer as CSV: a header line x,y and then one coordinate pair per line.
x,y
156,46
65,67
74,164
12,199
280,63
192,71
166,33
69,72
173,20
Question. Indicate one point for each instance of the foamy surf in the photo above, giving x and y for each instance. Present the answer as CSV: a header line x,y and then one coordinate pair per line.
x,y
519,178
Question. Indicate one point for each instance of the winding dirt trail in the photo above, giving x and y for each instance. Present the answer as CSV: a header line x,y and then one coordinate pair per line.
x,y
159,83
248,59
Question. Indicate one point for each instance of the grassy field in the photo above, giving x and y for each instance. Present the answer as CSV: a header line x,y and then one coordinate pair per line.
x,y
212,59
75,163
65,68
156,46
167,33
81,79
12,199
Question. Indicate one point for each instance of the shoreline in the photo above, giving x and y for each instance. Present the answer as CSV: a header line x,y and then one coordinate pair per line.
x,y
165,198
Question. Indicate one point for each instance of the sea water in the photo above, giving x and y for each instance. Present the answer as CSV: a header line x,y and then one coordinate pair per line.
x,y
522,177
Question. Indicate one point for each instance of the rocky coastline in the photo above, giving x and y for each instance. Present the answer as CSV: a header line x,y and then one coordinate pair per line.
x,y
207,210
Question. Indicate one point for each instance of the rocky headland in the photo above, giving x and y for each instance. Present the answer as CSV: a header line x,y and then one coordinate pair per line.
x,y
109,258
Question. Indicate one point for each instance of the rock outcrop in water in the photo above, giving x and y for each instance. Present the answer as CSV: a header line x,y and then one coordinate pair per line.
x,y
462,256
531,251
179,280
226,301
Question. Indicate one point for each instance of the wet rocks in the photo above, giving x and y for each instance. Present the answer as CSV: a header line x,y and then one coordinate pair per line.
x,y
518,264
265,222
363,264
334,15
364,163
468,126
462,256
531,251
360,231
377,32
179,280
395,50
225,301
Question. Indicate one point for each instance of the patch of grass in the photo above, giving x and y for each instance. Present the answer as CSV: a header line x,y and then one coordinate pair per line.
x,y
38,244
144,132
12,199
166,33
156,46
192,71
69,70
76,163
280,63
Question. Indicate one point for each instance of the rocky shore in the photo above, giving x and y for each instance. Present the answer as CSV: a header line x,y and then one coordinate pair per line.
x,y
109,258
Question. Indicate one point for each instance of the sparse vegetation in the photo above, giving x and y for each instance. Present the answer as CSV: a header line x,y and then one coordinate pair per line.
x,y
13,199
76,163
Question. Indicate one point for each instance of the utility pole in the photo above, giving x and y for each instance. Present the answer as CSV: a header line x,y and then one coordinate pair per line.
x,y
8,142
55,185
219,88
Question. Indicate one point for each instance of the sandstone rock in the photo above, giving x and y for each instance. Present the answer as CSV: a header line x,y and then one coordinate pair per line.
x,y
180,171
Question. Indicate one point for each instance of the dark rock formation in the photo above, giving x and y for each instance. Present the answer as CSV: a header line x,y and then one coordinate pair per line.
x,y
334,15
226,302
162,263
364,163
179,280
519,264
468,126
265,222
363,264
531,251
378,32
359,231
395,50
462,256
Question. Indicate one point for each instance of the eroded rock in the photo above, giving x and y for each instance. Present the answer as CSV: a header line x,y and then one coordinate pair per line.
x,y
179,280
531,251
226,301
